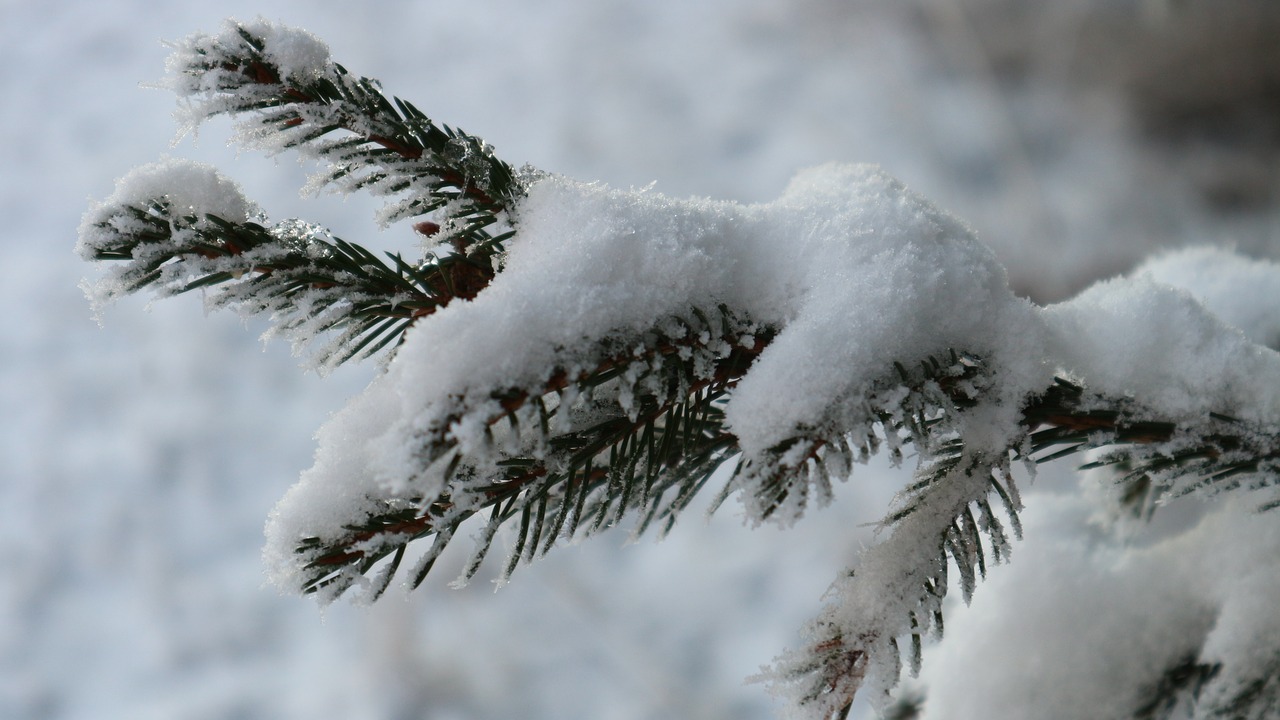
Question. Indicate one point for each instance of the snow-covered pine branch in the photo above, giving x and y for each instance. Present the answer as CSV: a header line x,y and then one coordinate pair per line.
x,y
288,95
572,356
181,226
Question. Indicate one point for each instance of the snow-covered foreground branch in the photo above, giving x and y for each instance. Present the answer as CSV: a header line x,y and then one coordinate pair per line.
x,y
566,355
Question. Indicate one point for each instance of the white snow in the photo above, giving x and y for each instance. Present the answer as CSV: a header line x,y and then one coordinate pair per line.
x,y
300,55
1133,337
1240,290
856,273
879,275
1039,639
201,72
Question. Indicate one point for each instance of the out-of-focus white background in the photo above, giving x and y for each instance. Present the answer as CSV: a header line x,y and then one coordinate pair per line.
x,y
140,458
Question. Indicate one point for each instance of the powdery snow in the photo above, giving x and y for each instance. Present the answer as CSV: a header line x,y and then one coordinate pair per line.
x,y
300,55
857,272
190,186
1242,291
194,71
1133,337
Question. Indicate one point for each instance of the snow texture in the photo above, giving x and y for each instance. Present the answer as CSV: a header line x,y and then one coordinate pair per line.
x,y
300,55
188,186
856,272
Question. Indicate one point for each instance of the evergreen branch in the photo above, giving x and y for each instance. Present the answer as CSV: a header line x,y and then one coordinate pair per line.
x,y
634,424
945,519
900,585
1157,458
1255,696
904,408
308,282
586,459
639,433
385,145
305,280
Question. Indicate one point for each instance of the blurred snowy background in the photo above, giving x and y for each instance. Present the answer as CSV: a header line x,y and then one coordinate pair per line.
x,y
141,458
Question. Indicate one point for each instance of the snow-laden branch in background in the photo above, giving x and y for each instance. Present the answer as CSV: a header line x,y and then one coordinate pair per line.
x,y
625,345
1180,400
